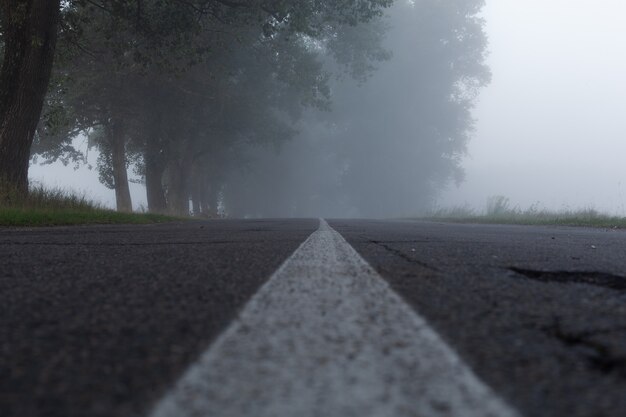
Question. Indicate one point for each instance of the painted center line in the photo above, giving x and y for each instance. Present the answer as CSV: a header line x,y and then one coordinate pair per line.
x,y
327,337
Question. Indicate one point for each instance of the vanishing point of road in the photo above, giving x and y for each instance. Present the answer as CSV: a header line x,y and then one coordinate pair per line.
x,y
307,318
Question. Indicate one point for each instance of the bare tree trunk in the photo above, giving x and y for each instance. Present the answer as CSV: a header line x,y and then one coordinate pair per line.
x,y
30,34
154,188
179,190
212,197
196,193
155,167
198,190
204,202
197,211
120,174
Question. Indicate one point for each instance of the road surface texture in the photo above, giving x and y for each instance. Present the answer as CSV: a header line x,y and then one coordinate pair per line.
x,y
98,321
538,313
301,318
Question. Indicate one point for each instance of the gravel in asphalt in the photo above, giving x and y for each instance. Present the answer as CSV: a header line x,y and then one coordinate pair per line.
x,y
325,336
538,312
99,321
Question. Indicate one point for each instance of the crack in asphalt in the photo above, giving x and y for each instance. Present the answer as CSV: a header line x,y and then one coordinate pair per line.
x,y
402,255
600,279
598,356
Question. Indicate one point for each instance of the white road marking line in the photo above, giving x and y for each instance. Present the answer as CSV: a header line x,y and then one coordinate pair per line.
x,y
327,337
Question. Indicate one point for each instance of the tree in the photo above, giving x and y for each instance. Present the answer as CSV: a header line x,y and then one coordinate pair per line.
x,y
29,30
405,146
29,34
393,138
200,85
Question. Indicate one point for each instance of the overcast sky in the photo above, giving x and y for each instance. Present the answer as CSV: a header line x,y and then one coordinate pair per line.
x,y
552,125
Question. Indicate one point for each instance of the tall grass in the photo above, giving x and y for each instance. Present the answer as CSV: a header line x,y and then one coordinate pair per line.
x,y
43,206
500,211
40,197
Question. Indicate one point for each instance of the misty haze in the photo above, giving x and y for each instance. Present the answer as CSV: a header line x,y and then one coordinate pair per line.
x,y
372,121
305,208
547,127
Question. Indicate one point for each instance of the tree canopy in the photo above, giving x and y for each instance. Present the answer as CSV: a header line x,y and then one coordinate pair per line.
x,y
130,38
393,140
265,107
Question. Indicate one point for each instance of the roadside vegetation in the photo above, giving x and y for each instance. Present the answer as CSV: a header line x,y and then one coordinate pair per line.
x,y
500,211
57,207
268,108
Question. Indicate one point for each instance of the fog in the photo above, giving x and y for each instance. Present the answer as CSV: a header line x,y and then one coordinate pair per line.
x,y
398,139
551,126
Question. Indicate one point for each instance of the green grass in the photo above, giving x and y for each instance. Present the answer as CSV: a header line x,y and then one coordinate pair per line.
x,y
499,211
65,217
58,207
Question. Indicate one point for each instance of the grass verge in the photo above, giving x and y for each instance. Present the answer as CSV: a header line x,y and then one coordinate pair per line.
x,y
499,212
545,219
57,207
65,217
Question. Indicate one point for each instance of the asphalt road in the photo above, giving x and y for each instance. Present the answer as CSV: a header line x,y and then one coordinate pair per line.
x,y
102,321
99,321
539,313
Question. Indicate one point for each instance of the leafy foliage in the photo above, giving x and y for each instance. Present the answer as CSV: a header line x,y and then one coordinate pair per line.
x,y
188,80
395,135
203,93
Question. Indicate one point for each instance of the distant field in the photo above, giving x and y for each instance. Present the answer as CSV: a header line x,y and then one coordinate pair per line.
x,y
581,220
498,211
56,207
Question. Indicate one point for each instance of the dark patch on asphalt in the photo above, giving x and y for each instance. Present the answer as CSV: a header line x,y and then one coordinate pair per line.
x,y
599,356
600,279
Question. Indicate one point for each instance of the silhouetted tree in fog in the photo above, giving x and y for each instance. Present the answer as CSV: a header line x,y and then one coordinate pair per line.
x,y
29,35
131,38
265,107
393,139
